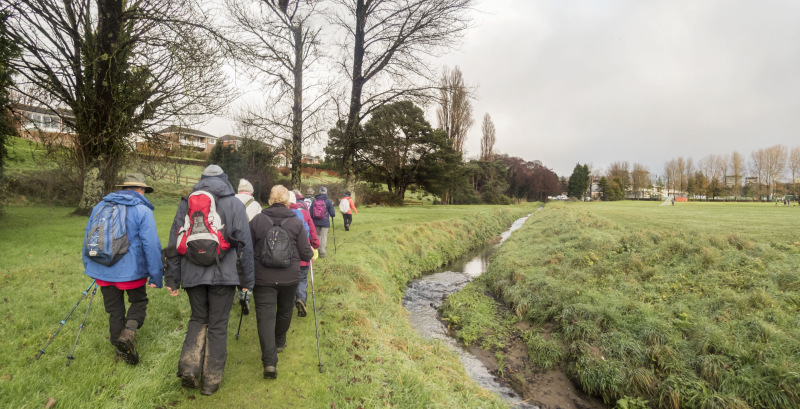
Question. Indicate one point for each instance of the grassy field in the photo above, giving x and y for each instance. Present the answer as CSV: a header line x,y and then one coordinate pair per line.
x,y
694,305
371,356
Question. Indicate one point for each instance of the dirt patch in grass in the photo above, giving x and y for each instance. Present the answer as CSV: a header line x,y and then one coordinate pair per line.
x,y
547,389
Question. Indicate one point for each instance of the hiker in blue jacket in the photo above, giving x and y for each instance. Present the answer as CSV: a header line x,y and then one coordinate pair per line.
x,y
130,273
322,223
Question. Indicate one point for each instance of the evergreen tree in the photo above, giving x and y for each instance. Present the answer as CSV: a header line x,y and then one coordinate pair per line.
x,y
578,182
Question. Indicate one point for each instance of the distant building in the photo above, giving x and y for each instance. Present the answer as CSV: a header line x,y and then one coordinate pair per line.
x,y
176,136
45,125
230,140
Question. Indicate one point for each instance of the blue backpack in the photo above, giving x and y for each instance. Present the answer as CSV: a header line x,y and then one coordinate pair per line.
x,y
106,240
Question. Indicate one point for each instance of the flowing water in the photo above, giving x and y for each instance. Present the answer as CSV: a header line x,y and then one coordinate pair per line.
x,y
425,295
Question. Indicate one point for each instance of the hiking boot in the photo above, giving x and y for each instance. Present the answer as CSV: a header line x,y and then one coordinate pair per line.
x,y
189,381
209,390
301,308
126,345
280,348
270,372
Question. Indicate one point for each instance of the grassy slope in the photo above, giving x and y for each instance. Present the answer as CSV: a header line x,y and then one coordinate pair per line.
x,y
694,305
371,356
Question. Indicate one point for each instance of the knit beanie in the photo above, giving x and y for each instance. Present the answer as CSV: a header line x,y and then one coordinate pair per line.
x,y
323,190
245,186
292,198
212,170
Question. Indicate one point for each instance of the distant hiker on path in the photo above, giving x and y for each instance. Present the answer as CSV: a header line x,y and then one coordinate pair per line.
x,y
128,271
321,208
277,272
245,195
347,207
206,268
309,198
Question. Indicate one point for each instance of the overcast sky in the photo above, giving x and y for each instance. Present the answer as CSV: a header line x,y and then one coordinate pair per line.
x,y
640,81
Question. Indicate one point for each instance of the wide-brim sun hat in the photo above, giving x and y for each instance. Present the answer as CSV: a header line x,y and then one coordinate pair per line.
x,y
135,180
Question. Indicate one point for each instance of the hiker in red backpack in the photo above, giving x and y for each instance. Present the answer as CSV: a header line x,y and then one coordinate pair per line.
x,y
321,208
129,273
209,229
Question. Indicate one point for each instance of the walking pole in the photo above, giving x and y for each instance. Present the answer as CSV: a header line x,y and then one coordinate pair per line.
x,y
71,356
64,321
243,299
333,225
314,303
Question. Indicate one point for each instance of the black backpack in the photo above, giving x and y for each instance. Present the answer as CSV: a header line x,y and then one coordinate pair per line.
x,y
277,250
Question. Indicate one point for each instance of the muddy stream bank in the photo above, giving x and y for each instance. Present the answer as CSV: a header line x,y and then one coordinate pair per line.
x,y
530,388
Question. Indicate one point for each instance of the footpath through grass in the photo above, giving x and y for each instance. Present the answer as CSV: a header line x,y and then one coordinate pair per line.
x,y
371,355
696,305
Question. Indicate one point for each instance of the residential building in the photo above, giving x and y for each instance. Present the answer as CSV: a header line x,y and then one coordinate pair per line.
x,y
45,125
199,141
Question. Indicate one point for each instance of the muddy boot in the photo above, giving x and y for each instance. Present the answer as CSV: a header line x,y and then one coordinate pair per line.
x,y
270,372
301,308
211,378
126,343
190,365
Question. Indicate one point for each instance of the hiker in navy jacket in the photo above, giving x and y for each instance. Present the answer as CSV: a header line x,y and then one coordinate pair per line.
x,y
211,288
274,293
130,273
323,224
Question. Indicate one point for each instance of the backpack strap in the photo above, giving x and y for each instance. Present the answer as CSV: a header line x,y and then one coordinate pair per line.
x,y
249,202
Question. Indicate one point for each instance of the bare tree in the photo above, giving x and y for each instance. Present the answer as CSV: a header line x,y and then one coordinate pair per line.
x,y
488,139
455,109
794,167
640,179
775,166
279,45
621,170
121,68
736,169
387,41
671,175
758,167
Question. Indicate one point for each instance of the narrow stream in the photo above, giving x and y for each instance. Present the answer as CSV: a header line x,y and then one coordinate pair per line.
x,y
425,295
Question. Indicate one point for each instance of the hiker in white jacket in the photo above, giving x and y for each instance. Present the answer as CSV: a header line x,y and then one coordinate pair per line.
x,y
246,196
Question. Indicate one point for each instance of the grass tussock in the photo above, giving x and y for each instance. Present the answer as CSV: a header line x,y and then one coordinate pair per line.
x,y
677,317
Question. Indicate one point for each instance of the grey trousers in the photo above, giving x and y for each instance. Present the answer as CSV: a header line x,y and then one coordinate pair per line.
x,y
204,353
322,235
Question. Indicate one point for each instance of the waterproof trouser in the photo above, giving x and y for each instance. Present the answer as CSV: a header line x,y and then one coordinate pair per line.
x,y
302,286
205,347
274,307
322,235
114,301
348,220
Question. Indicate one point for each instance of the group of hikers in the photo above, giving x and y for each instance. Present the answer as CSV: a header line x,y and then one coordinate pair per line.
x,y
219,240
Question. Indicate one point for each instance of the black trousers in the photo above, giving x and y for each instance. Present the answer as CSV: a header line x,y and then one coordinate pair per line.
x,y
114,301
348,220
274,307
205,348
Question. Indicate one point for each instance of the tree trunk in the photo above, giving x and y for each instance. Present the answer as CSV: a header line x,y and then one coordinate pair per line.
x,y
297,108
92,192
351,131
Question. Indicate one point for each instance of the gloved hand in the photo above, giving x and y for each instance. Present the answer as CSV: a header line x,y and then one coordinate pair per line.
x,y
316,254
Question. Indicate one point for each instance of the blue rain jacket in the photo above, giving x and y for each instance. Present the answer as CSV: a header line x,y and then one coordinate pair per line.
x,y
143,258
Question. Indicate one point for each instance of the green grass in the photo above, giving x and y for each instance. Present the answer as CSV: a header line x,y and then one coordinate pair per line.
x,y
695,305
371,355
25,156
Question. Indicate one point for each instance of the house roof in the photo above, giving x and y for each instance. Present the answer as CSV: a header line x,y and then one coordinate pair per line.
x,y
226,138
186,131
43,110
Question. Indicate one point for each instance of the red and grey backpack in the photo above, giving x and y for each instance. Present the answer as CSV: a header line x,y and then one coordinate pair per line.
x,y
201,238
